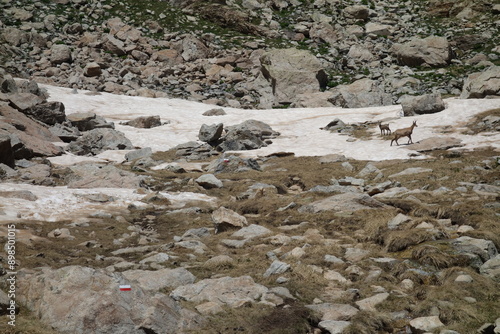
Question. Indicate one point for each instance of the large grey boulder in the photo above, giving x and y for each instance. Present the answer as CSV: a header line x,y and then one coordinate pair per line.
x,y
60,53
89,121
99,140
210,133
23,101
482,84
480,250
424,104
292,72
78,299
432,51
92,175
114,45
209,181
360,94
49,113
249,135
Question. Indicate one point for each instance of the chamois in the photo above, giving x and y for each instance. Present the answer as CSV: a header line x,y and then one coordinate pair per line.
x,y
406,132
384,129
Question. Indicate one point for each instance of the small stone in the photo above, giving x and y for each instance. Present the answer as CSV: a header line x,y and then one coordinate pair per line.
x,y
277,267
464,279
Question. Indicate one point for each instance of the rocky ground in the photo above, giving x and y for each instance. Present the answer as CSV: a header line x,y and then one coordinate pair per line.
x,y
254,54
212,241
317,244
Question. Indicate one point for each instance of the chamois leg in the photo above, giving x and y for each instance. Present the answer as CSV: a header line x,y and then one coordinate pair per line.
x,y
410,141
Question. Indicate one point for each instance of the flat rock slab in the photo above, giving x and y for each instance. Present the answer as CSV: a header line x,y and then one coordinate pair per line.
x,y
411,171
436,143
77,299
333,326
335,312
159,279
343,202
233,292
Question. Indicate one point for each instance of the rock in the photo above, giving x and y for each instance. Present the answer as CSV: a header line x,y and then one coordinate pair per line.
x,y
209,181
251,231
214,112
276,268
22,194
249,135
335,276
355,254
291,72
378,29
432,51
425,104
435,143
398,220
224,219
192,48
357,12
425,324
232,164
411,171
49,113
159,279
27,137
219,261
60,53
209,308
360,94
336,312
53,293
60,233
335,126
6,151
343,202
195,151
91,175
99,140
369,304
333,326
139,154
481,84
229,291
210,133
88,121
491,268
92,69
145,122
484,249
113,45
65,131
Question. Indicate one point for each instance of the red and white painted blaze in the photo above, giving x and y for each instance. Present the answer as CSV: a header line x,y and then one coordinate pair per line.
x,y
125,288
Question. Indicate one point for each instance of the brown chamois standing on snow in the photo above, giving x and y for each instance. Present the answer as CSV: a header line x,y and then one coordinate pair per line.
x,y
384,129
406,132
